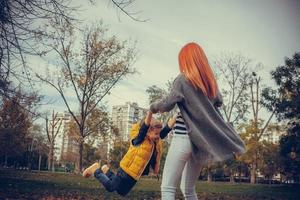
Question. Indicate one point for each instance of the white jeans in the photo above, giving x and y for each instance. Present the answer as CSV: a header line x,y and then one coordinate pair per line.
x,y
180,164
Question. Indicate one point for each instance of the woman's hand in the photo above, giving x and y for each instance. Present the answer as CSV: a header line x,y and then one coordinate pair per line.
x,y
153,110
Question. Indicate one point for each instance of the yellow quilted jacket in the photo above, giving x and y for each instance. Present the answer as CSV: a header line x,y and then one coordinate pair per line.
x,y
137,157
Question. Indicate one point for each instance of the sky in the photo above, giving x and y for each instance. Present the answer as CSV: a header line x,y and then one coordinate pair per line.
x,y
263,30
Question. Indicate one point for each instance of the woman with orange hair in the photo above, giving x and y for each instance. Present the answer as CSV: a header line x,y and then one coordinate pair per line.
x,y
201,135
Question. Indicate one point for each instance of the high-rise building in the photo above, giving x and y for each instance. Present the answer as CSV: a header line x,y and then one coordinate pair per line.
x,y
123,116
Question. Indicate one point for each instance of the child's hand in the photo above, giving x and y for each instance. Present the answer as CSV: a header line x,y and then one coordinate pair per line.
x,y
172,121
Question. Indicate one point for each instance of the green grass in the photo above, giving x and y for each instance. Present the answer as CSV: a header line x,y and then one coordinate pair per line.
x,y
45,185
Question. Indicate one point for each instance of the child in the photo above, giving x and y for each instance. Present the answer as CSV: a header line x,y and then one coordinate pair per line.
x,y
144,153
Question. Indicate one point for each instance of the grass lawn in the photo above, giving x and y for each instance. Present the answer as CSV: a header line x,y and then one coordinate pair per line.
x,y
45,185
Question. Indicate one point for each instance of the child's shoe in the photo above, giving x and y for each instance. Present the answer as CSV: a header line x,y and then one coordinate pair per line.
x,y
104,169
90,170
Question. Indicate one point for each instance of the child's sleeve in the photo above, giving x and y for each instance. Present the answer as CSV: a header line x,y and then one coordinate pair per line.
x,y
164,132
141,136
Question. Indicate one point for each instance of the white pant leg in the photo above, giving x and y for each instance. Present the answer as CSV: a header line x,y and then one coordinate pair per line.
x,y
179,153
189,178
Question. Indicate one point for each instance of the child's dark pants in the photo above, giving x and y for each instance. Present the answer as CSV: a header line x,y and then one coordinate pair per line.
x,y
120,182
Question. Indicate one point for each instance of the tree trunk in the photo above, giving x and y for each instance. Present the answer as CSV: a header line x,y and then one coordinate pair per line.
x,y
79,160
232,176
209,176
48,163
52,166
51,158
5,162
40,161
30,155
29,161
253,174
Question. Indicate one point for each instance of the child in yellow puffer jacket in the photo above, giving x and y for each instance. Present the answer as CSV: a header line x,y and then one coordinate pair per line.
x,y
144,153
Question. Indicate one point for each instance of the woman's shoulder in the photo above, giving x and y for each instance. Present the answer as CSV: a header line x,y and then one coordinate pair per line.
x,y
179,76
179,79
178,82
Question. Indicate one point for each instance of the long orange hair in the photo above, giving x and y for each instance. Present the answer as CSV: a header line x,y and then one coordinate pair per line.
x,y
194,65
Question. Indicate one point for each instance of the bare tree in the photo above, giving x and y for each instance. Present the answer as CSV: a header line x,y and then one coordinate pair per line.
x,y
90,72
258,126
123,6
233,73
23,24
52,129
36,146
253,131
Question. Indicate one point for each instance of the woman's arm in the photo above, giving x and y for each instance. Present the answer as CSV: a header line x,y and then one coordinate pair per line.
x,y
168,103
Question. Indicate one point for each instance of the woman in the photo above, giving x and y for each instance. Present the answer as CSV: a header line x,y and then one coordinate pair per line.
x,y
200,133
